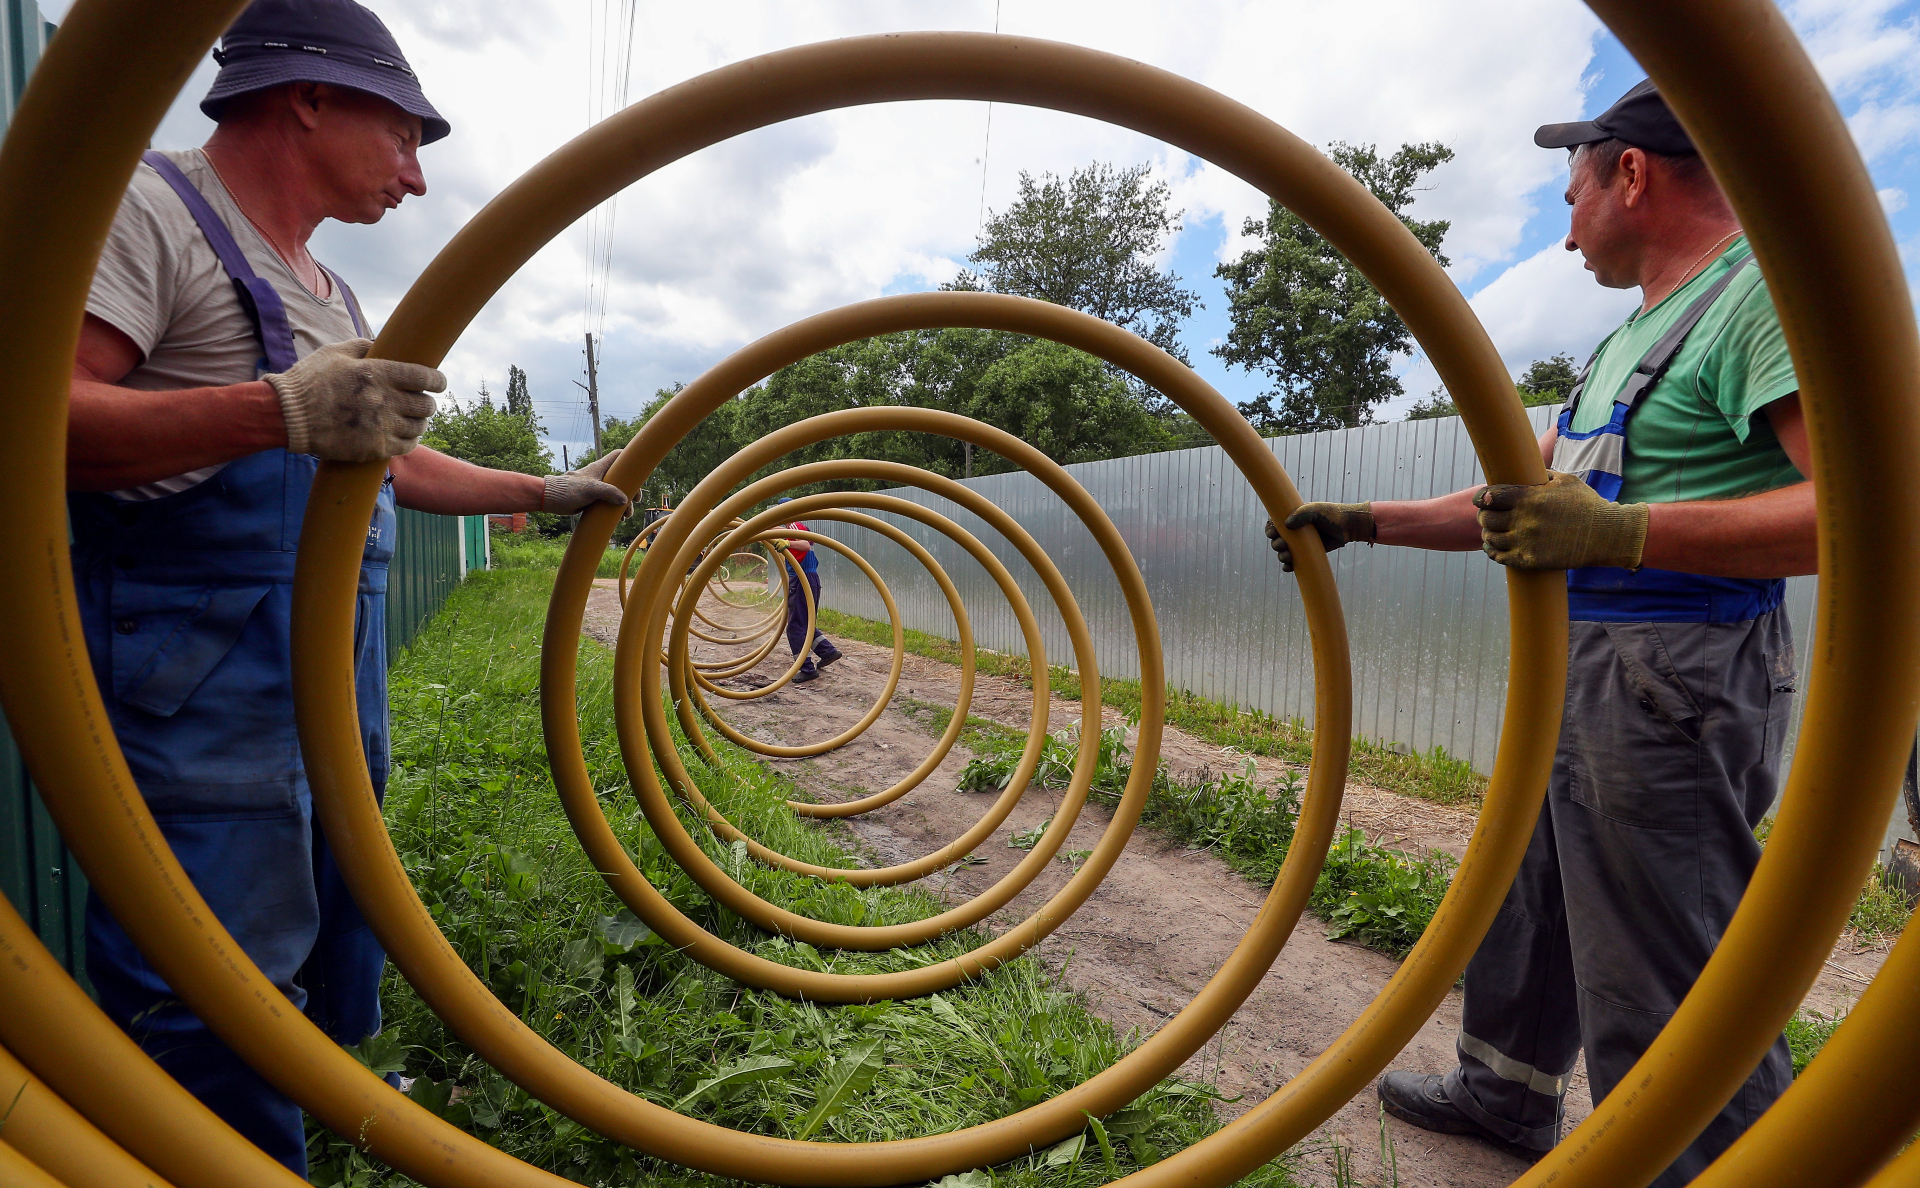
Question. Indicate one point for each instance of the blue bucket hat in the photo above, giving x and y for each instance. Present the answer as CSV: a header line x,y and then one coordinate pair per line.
x,y
275,42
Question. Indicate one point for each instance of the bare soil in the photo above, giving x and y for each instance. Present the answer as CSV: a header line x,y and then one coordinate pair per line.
x,y
1166,916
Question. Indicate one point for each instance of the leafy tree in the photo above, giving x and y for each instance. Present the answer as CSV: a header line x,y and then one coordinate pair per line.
x,y
1066,403
1088,242
1545,381
1306,317
1063,401
519,403
488,436
710,443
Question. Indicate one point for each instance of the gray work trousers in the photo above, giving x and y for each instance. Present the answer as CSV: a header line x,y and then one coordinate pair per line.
x,y
1669,756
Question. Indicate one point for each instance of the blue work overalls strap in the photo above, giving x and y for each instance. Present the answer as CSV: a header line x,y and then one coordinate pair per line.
x,y
186,601
1598,456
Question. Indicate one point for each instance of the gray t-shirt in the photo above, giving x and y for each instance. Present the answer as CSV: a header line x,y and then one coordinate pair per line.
x,y
160,283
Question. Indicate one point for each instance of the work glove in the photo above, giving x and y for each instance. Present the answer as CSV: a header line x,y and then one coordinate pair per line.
x,y
341,406
1559,524
568,493
1337,523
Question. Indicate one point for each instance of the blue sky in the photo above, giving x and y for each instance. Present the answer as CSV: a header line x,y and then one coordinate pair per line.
x,y
1610,71
786,222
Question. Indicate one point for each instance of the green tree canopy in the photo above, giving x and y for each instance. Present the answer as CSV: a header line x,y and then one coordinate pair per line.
x,y
1306,317
1066,402
519,401
1088,242
1545,381
489,436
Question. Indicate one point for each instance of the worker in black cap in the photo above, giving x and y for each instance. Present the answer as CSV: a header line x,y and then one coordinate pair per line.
x,y
219,364
1677,502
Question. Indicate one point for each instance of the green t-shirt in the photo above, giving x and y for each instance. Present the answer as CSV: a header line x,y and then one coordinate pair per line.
x,y
1694,436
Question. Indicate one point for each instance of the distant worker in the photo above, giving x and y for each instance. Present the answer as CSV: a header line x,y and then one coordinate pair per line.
x,y
1677,502
809,572
219,364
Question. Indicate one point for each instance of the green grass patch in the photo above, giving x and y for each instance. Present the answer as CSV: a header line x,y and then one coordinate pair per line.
x,y
1433,775
1374,895
474,816
531,550
1807,1033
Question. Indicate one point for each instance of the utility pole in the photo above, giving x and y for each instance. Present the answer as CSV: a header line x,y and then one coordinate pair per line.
x,y
564,464
593,397
969,452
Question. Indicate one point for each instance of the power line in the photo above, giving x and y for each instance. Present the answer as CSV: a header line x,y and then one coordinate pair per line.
x,y
981,220
610,33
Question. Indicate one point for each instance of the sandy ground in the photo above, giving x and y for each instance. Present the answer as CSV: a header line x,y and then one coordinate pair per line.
x,y
1165,918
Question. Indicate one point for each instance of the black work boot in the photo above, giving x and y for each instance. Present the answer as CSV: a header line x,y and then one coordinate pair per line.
x,y
825,652
1421,1099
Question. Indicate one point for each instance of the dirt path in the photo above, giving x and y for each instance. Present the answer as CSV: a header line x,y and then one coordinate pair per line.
x,y
1165,917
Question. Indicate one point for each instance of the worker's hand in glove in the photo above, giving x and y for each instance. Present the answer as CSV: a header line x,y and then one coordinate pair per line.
x,y
341,406
570,492
1559,524
1337,523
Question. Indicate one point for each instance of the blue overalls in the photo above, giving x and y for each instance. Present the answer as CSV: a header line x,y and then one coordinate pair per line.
x,y
1605,594
186,602
809,573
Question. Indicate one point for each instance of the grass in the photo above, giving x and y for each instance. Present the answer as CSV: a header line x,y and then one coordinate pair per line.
x,y
473,814
531,550
1373,895
1807,1033
1433,775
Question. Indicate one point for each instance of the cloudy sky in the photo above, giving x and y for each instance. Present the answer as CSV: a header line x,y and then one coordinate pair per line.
x,y
750,235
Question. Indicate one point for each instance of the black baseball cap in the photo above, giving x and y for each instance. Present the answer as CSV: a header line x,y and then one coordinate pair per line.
x,y
1640,117
275,42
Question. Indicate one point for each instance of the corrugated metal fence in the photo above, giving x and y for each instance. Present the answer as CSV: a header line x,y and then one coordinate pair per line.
x,y
1427,630
431,554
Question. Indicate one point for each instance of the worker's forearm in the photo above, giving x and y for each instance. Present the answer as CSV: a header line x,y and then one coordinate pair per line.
x,y
120,437
430,481
1760,536
1446,523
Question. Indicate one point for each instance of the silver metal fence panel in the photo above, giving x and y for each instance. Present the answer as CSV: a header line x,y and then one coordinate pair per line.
x,y
1427,631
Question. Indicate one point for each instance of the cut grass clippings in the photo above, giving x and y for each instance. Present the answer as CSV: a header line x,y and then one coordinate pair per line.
x,y
1433,775
474,816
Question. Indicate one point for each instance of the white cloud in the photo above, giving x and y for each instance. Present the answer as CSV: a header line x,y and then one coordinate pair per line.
x,y
787,221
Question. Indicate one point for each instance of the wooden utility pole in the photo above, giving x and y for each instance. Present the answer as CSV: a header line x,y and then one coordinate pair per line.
x,y
593,397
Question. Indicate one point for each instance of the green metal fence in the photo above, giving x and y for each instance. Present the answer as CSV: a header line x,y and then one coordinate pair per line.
x,y
432,553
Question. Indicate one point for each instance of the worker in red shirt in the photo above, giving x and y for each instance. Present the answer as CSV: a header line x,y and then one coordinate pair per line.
x,y
822,653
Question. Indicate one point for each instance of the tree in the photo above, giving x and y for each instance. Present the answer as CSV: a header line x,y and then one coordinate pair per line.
x,y
1088,243
710,443
1306,317
488,436
519,403
1065,402
1545,381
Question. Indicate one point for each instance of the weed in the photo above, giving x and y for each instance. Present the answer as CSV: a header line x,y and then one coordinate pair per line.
x,y
1808,1032
1375,895
1433,775
473,815
1882,907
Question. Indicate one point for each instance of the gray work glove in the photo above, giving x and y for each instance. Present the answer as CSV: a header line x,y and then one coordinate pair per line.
x,y
341,406
1337,523
568,493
